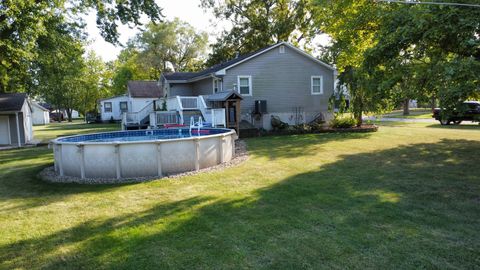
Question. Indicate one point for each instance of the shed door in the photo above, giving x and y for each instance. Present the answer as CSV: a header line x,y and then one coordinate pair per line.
x,y
4,130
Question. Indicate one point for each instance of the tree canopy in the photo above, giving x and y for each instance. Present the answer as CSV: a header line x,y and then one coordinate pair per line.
x,y
386,51
23,22
259,23
167,46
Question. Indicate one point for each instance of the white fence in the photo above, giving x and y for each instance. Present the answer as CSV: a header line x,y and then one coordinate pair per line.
x,y
163,118
218,118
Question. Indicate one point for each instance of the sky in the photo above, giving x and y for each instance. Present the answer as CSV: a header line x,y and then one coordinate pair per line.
x,y
186,10
194,15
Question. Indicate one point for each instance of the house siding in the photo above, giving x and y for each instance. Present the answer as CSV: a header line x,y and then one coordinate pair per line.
x,y
284,80
137,104
181,89
116,114
203,87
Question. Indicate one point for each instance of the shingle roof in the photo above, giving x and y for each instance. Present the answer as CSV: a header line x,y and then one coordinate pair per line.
x,y
12,102
224,95
33,103
190,75
144,89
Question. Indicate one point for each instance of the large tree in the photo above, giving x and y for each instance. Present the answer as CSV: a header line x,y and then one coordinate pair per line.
x,y
167,46
95,83
23,22
174,44
127,67
384,51
352,24
259,23
436,59
57,70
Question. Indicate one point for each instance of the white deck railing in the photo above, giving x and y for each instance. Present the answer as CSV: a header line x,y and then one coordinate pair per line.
x,y
168,117
218,117
137,117
180,103
189,103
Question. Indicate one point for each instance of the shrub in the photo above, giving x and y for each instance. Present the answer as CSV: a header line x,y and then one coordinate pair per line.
x,y
301,128
343,122
317,126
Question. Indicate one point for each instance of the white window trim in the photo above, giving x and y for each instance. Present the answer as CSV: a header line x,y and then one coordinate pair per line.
x,y
249,84
220,85
105,106
321,85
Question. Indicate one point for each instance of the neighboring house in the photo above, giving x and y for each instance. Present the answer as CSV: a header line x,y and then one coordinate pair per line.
x,y
40,115
279,80
15,119
141,95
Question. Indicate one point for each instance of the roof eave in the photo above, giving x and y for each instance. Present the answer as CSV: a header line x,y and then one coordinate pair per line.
x,y
224,70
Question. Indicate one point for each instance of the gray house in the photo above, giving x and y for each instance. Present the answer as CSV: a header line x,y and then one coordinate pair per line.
x,y
279,80
15,120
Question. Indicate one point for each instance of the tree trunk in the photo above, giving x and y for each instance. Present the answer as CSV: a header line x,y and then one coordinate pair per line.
x,y
358,118
358,111
69,115
59,114
406,108
433,103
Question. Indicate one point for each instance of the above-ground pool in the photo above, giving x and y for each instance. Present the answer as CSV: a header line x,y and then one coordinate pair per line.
x,y
142,153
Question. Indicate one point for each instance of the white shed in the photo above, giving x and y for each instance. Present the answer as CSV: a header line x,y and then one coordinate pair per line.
x,y
15,120
40,115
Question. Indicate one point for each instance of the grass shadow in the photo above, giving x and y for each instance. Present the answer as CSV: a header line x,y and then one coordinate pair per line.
x,y
18,180
414,206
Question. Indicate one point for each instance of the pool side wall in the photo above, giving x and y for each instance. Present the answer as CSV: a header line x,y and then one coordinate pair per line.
x,y
142,159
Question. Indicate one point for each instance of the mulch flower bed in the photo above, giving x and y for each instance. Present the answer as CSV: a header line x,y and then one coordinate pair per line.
x,y
362,128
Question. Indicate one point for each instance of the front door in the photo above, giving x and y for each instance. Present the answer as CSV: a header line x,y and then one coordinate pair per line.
x,y
4,130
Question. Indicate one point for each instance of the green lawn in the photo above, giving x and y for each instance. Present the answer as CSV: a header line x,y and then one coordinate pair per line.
x,y
407,196
420,113
51,131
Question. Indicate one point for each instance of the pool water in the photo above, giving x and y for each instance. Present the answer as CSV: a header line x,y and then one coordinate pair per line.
x,y
143,135
140,138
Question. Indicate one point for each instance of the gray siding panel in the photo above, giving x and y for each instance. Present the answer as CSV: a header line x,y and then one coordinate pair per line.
x,y
203,87
181,89
284,80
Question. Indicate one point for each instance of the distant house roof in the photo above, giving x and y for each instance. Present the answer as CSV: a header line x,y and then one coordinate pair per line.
x,y
104,99
185,76
46,106
35,104
144,89
224,95
12,102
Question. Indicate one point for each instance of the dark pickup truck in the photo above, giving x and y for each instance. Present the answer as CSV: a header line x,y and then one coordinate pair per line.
x,y
467,111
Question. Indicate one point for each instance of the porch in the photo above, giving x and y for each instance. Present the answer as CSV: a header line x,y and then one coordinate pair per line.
x,y
214,111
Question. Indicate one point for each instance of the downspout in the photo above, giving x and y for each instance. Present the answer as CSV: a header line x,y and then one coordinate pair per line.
x,y
18,130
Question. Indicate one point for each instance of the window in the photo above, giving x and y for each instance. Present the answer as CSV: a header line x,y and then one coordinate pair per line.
x,y
245,85
217,85
282,49
317,85
123,106
107,107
